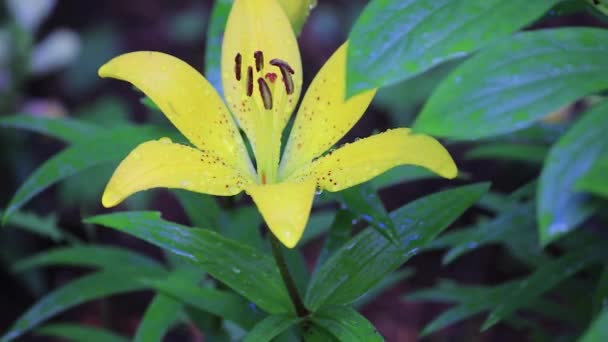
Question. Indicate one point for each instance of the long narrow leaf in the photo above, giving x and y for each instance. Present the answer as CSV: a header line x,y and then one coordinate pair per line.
x,y
237,265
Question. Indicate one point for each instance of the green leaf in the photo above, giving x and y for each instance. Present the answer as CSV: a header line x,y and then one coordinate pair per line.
x,y
93,286
297,11
505,151
386,283
346,324
367,258
339,234
363,201
472,300
560,206
218,302
202,210
246,270
43,226
513,227
98,149
397,39
595,180
76,332
271,327
545,278
215,35
111,258
513,83
598,332
401,174
69,130
160,315
600,297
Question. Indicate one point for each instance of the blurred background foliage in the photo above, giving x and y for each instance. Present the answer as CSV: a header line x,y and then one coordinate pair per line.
x,y
63,131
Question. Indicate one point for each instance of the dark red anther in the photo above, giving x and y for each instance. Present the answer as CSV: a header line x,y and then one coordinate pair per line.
x,y
237,66
259,60
249,81
265,93
282,64
286,72
271,77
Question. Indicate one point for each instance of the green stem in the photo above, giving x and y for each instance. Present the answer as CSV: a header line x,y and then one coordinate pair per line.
x,y
287,278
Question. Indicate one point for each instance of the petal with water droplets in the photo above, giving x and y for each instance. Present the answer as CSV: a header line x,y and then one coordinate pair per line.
x,y
163,164
364,159
285,208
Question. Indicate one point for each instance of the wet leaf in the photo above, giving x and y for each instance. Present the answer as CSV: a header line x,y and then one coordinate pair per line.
x,y
397,39
222,303
368,257
339,233
93,286
363,201
249,272
271,327
346,324
516,81
560,207
595,180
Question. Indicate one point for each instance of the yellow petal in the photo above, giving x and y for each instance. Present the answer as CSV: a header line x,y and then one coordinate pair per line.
x,y
324,115
186,98
285,208
163,164
260,25
364,159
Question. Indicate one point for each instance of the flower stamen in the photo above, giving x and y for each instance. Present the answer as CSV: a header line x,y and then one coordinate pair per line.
x,y
259,60
249,81
237,66
265,93
286,72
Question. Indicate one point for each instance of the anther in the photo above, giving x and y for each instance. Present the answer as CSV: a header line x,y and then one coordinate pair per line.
x,y
265,93
282,64
259,60
286,72
249,81
237,66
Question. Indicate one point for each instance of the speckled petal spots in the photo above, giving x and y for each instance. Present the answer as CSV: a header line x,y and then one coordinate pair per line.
x,y
186,98
367,158
324,115
163,164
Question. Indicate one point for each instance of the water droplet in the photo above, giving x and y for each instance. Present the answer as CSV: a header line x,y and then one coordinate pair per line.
x,y
318,191
165,140
185,183
236,270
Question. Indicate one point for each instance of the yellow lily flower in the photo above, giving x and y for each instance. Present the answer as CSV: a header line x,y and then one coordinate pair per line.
x,y
262,80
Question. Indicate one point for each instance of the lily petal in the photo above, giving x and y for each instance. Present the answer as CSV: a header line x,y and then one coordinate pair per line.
x,y
163,164
324,115
285,207
364,159
186,98
260,27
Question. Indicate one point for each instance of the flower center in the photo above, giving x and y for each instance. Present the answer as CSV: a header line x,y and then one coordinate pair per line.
x,y
259,83
263,79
